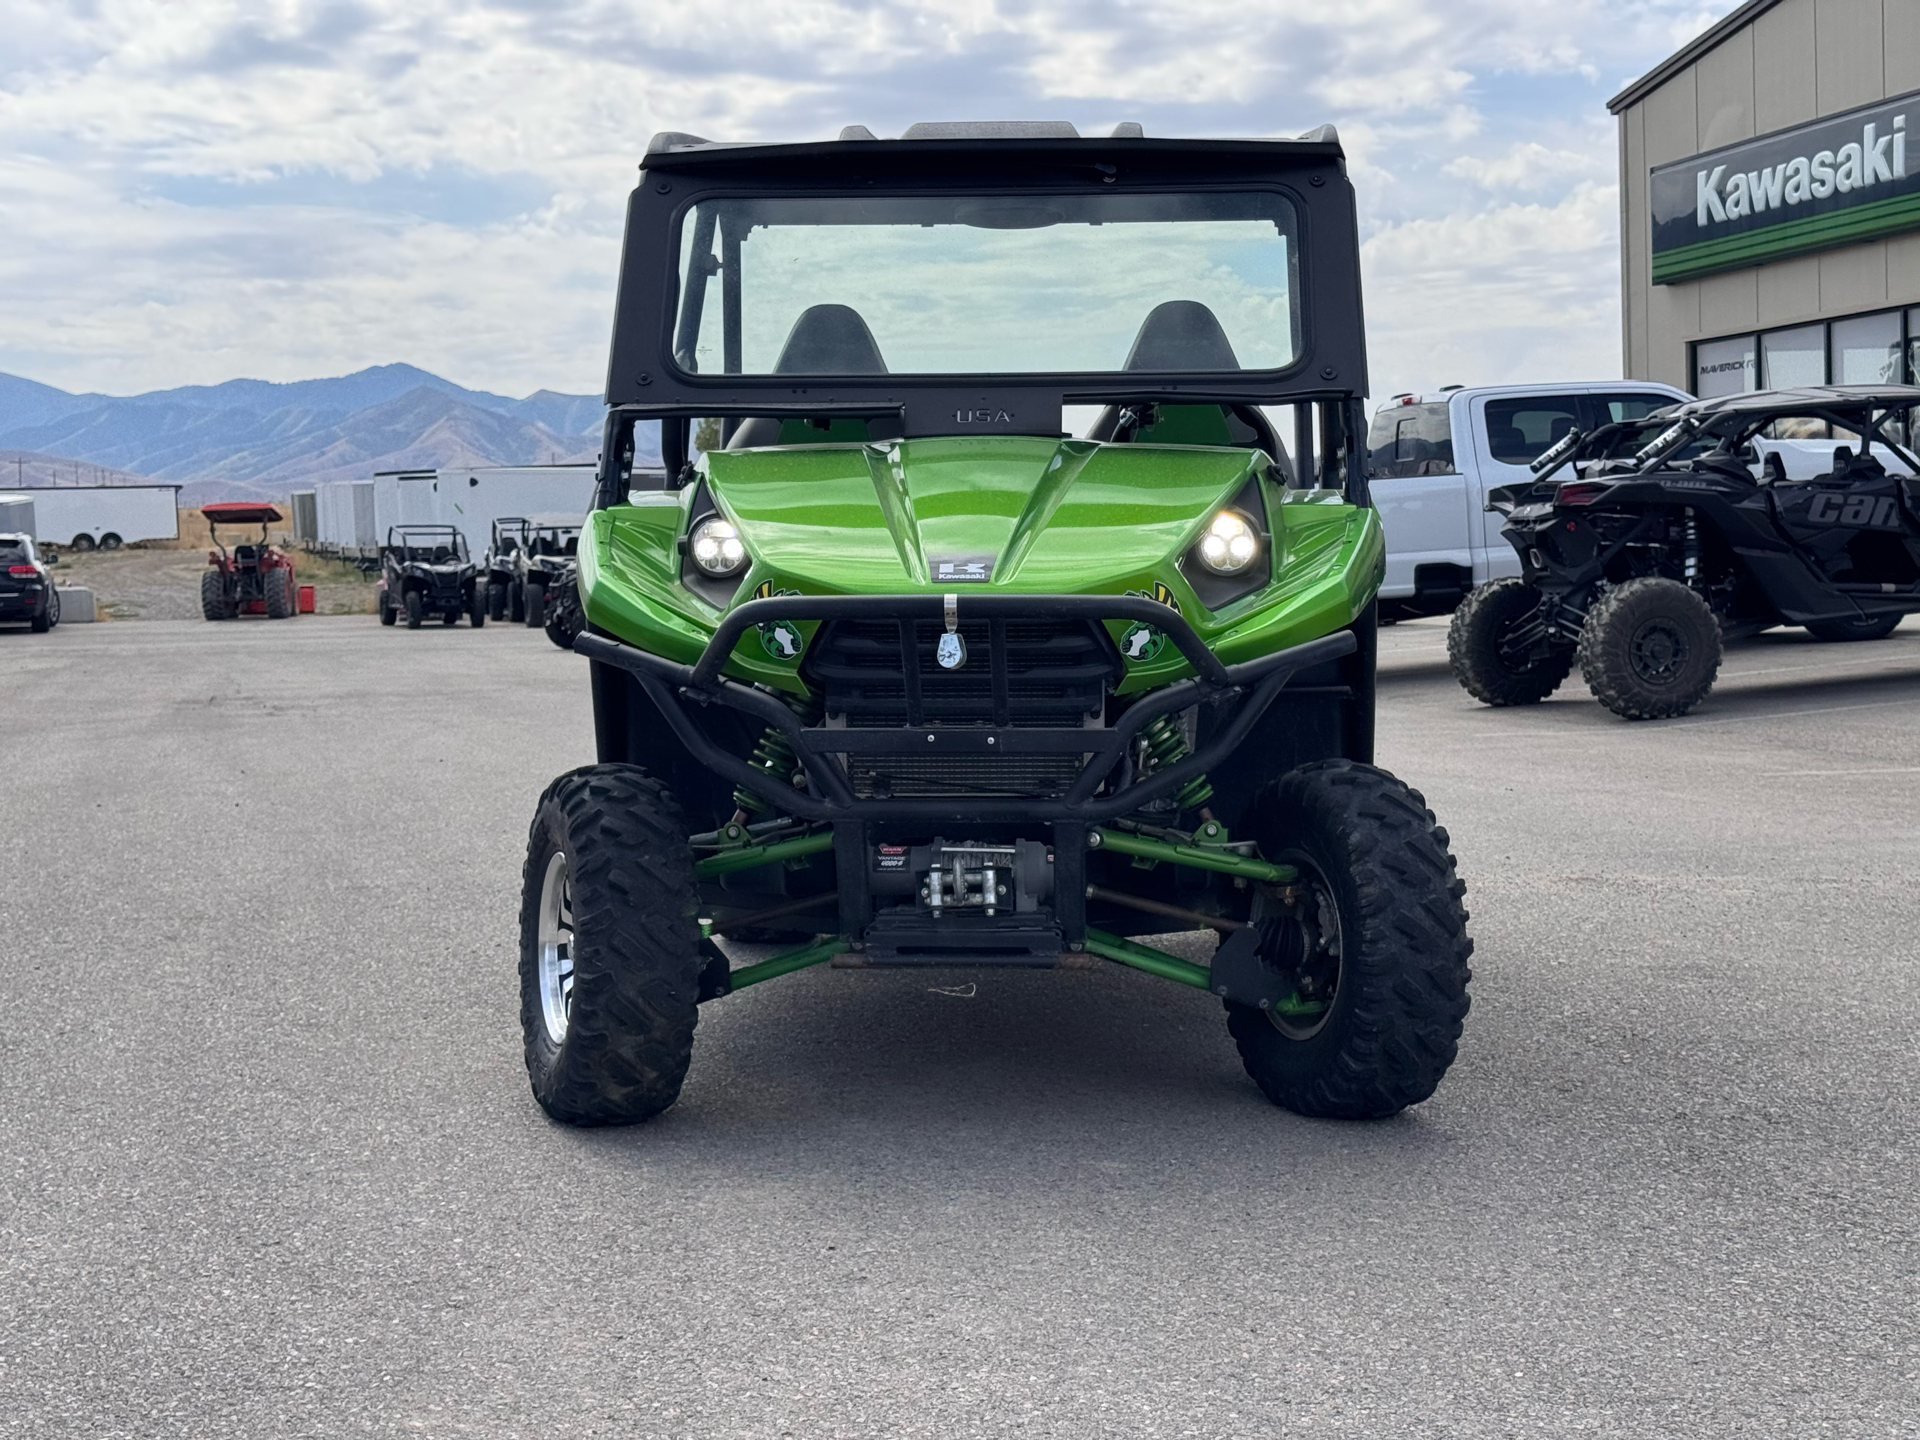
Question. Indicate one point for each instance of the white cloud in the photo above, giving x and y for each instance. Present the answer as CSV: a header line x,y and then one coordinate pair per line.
x,y
196,189
1528,166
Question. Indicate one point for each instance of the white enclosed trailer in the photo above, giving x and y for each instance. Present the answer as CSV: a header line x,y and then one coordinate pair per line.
x,y
343,516
85,517
472,499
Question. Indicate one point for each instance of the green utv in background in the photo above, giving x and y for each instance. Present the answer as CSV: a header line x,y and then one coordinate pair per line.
x,y
899,672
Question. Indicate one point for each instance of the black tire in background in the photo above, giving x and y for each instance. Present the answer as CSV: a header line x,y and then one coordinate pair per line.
x,y
449,617
1866,627
496,601
533,605
110,541
477,605
1484,619
215,603
1650,649
1400,995
387,613
82,544
632,948
416,609
516,603
279,588
49,615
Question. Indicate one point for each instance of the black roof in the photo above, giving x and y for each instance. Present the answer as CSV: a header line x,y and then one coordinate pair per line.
x,y
966,140
1799,400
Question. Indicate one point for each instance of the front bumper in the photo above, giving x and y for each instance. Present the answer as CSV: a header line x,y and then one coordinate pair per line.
x,y
1249,688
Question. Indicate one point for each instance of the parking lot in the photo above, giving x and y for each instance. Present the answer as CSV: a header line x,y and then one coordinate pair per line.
x,y
268,1163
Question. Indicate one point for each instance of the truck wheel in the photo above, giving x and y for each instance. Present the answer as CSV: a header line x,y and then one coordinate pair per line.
x,y
1866,627
1650,649
609,951
533,606
496,601
279,588
215,603
387,613
416,609
110,541
1486,619
1375,939
82,544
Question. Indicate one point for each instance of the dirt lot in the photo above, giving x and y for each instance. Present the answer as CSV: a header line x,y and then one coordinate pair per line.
x,y
160,579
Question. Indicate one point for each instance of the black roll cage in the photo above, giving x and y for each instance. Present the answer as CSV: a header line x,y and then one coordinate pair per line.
x,y
1326,379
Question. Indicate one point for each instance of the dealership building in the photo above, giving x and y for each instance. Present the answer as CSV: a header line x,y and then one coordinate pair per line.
x,y
1770,201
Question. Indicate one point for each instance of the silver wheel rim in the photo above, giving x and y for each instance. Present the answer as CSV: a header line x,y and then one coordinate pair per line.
x,y
1318,917
556,947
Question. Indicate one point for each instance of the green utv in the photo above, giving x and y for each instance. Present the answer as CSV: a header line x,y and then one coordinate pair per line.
x,y
895,670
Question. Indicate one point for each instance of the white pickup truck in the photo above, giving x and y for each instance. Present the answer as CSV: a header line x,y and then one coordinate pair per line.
x,y
1433,458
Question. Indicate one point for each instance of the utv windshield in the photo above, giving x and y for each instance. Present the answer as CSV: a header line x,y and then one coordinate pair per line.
x,y
988,285
430,547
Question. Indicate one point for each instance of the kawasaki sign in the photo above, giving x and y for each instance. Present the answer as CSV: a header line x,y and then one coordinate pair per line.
x,y
1835,182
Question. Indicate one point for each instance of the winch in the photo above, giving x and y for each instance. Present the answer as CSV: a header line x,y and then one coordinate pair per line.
x,y
966,876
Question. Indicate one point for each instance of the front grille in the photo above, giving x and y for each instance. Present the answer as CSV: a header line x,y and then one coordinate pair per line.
x,y
1052,673
881,777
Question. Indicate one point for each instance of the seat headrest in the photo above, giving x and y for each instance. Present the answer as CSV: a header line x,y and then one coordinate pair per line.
x,y
1773,469
830,340
1181,335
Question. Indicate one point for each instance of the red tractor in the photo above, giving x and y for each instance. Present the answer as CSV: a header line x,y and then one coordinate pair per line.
x,y
251,579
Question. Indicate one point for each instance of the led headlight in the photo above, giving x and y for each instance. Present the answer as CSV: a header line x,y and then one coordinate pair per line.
x,y
1229,545
716,548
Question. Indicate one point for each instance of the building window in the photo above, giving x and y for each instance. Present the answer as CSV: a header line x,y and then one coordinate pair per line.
x,y
1866,350
1875,349
1794,357
1724,367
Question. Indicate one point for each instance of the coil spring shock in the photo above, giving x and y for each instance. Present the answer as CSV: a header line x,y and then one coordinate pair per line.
x,y
1692,551
774,754
1167,746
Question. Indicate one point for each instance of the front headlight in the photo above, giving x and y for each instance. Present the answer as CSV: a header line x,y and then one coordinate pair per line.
x,y
715,547
1229,545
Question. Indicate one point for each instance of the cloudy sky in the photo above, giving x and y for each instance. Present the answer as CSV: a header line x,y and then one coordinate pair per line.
x,y
192,191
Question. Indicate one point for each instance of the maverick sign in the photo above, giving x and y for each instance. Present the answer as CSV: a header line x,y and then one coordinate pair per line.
x,y
1838,181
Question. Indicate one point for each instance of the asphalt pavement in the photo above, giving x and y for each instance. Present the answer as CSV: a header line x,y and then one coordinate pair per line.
x,y
269,1166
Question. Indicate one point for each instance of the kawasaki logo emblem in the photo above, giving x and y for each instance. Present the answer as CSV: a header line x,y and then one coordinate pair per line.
x,y
966,571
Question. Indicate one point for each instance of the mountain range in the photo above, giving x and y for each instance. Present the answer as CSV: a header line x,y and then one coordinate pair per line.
x,y
246,439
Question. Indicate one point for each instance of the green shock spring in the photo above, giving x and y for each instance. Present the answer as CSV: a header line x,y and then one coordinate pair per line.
x,y
1167,746
774,754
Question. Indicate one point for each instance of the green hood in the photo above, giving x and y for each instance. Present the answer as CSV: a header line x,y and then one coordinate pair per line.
x,y
1039,515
